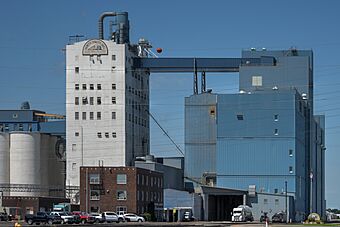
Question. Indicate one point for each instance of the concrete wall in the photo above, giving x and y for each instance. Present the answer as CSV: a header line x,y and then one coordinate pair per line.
x,y
90,141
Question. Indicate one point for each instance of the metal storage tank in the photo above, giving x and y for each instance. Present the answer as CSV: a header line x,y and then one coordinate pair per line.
x,y
44,163
4,159
25,163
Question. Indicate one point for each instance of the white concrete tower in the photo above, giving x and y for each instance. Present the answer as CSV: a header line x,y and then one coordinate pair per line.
x,y
106,102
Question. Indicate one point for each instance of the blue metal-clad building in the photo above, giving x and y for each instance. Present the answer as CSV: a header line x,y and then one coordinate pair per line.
x,y
200,135
266,135
28,120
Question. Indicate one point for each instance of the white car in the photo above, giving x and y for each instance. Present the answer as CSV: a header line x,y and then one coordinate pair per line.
x,y
109,216
66,219
98,217
133,218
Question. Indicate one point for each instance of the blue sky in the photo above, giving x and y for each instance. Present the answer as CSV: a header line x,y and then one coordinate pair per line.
x,y
34,33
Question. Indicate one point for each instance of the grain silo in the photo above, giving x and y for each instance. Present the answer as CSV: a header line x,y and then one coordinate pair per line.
x,y
25,163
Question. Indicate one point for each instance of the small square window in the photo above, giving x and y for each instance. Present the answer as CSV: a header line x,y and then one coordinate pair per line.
x,y
106,134
15,115
76,100
121,178
290,152
99,86
276,132
99,115
91,87
76,70
114,87
99,134
76,115
94,195
290,169
84,100
84,86
114,100
121,195
239,117
76,86
94,178
76,134
257,81
114,135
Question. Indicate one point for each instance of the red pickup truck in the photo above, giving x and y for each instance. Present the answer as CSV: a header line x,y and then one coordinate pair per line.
x,y
84,217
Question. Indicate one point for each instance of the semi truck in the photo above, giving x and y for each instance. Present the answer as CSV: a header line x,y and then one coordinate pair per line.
x,y
242,213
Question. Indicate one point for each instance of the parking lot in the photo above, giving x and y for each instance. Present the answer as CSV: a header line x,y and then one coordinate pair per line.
x,y
201,223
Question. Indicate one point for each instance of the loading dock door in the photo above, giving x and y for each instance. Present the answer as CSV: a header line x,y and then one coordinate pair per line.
x,y
221,206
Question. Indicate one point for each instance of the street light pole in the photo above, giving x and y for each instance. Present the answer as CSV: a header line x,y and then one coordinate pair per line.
x,y
311,192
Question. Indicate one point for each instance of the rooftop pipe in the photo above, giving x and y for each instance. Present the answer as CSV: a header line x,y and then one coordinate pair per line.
x,y
101,21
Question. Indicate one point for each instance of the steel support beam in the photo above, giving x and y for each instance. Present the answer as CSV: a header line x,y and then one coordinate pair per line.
x,y
165,65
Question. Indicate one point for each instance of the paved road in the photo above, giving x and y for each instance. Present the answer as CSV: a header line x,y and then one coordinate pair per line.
x,y
188,224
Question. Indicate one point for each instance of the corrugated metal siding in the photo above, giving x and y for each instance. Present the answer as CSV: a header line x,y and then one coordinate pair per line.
x,y
248,151
200,134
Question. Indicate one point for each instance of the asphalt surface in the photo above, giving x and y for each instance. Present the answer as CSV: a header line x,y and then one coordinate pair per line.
x,y
208,224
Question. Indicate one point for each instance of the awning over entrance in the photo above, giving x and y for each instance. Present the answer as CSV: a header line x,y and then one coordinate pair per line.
x,y
218,203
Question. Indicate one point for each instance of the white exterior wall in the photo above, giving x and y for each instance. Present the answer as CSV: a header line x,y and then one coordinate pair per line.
x,y
25,160
4,159
88,149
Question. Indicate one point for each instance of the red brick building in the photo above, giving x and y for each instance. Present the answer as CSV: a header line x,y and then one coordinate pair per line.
x,y
121,189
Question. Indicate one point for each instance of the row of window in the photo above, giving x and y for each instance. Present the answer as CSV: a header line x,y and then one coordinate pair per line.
x,y
92,115
149,196
137,120
120,195
107,135
16,127
240,117
90,100
92,86
94,178
138,93
136,105
149,181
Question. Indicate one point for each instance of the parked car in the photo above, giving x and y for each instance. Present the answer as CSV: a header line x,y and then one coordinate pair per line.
x,y
98,218
188,216
109,216
66,218
133,218
279,217
42,217
84,217
5,217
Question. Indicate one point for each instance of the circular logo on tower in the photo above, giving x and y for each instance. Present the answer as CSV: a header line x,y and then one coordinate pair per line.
x,y
95,47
